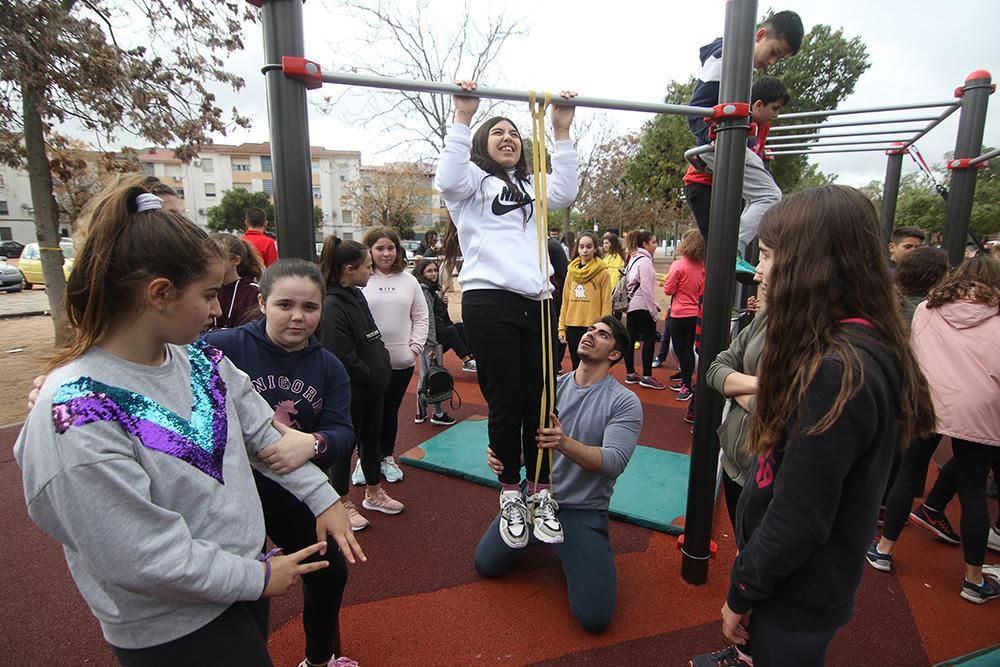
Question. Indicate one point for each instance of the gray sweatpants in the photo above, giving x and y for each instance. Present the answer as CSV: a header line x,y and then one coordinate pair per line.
x,y
587,562
760,193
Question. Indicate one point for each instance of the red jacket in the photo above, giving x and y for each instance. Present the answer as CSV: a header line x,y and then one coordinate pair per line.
x,y
692,175
265,245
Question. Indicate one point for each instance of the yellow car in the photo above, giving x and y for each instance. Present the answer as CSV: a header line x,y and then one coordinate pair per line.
x,y
30,263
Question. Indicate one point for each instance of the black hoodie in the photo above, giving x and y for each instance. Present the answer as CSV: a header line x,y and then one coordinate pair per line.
x,y
308,389
807,516
350,332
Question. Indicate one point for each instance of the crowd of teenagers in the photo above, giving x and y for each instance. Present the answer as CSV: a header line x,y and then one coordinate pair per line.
x,y
213,397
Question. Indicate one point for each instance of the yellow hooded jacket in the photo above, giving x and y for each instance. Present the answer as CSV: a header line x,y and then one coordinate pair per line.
x,y
586,295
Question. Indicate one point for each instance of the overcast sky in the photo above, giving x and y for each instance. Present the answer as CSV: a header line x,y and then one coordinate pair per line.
x,y
920,50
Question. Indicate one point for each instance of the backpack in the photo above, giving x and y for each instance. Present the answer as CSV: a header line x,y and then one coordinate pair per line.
x,y
438,385
622,295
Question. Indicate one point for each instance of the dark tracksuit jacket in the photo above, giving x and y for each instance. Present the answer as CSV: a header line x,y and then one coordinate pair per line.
x,y
349,331
807,516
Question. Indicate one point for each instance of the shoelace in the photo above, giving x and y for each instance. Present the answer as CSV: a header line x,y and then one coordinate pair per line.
x,y
546,507
514,511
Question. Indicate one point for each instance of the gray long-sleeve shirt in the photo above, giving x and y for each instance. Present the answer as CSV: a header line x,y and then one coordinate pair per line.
x,y
143,474
605,415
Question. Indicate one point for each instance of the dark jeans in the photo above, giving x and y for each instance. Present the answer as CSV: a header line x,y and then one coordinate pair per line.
x,y
587,561
573,337
682,336
398,383
322,591
505,330
366,415
909,484
775,647
640,326
453,338
699,199
237,638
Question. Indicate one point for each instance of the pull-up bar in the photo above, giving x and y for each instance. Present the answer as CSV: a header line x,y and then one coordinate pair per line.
x,y
834,150
808,144
937,121
984,157
347,79
855,123
893,107
839,135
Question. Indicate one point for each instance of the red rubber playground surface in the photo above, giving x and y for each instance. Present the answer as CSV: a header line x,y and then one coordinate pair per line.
x,y
418,601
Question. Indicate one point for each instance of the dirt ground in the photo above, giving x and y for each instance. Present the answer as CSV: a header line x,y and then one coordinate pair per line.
x,y
23,341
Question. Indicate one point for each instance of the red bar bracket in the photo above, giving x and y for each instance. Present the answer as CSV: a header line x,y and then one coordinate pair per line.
x,y
713,548
731,110
896,151
963,163
309,72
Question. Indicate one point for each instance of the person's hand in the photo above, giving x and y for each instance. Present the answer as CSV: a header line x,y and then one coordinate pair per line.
x,y
286,570
36,386
493,462
753,304
290,453
744,401
735,627
562,116
552,437
562,340
444,299
465,106
432,355
335,523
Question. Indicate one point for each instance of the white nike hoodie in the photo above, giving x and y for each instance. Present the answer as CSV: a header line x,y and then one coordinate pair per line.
x,y
499,247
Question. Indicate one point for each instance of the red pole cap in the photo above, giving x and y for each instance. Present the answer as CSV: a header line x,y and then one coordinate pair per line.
x,y
978,74
299,68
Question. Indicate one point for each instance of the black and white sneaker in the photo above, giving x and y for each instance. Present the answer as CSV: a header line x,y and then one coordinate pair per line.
x,y
443,419
513,520
546,525
727,657
984,592
877,559
420,418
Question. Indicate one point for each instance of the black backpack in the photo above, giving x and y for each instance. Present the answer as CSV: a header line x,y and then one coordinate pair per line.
x,y
438,385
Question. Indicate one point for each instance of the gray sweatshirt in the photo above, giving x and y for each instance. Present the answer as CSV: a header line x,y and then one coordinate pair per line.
x,y
143,474
605,415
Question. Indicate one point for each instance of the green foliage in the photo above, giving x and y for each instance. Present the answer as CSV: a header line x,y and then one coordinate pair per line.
x,y
820,76
812,177
228,216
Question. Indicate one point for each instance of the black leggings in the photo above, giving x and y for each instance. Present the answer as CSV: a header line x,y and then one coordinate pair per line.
x,y
573,337
908,485
732,492
505,330
237,638
640,326
699,198
972,465
776,647
398,383
452,337
682,336
294,529
366,416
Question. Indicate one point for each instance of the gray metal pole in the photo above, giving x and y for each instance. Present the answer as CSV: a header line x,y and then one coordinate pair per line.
x,y
510,95
854,123
724,222
934,123
985,156
838,135
288,120
824,144
833,150
890,190
894,107
969,143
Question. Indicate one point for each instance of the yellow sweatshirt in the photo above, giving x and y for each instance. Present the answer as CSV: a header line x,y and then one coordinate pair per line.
x,y
586,295
615,265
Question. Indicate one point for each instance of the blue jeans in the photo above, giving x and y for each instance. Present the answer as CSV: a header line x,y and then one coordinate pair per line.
x,y
587,562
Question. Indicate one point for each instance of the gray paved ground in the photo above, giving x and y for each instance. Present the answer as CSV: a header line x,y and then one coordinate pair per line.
x,y
25,302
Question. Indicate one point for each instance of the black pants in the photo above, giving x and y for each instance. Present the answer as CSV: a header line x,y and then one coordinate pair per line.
x,y
909,484
946,486
972,466
682,336
640,326
237,638
294,529
505,330
775,647
453,338
699,199
732,492
366,415
398,383
573,337
661,356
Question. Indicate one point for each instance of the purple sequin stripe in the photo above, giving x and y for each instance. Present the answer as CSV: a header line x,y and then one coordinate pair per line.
x,y
200,441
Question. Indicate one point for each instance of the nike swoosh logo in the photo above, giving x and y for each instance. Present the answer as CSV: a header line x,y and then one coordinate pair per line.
x,y
501,209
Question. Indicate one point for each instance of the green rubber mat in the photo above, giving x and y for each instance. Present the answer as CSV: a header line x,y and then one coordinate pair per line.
x,y
987,657
652,491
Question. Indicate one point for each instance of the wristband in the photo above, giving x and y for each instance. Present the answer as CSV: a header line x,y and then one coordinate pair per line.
x,y
319,446
266,559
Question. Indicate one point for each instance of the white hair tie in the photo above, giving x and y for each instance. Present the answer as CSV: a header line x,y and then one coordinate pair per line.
x,y
147,202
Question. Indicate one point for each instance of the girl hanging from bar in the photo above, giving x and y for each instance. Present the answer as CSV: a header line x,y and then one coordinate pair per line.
x,y
484,181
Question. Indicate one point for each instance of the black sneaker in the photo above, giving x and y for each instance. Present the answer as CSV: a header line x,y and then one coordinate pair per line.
x,y
443,419
420,418
689,415
937,523
728,657
877,559
984,592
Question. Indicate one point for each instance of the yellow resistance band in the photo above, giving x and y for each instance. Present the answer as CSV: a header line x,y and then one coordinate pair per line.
x,y
541,221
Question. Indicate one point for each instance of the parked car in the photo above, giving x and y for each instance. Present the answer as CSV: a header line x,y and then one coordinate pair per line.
x,y
31,262
10,278
11,249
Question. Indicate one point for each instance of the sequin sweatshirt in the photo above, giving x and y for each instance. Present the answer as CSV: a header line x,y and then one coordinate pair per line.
x,y
144,475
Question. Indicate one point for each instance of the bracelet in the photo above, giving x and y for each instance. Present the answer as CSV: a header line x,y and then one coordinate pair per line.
x,y
266,559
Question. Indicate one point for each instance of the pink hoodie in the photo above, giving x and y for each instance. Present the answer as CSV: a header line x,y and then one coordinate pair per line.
x,y
642,272
958,347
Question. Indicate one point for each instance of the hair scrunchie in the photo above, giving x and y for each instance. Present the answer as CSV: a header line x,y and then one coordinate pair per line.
x,y
147,202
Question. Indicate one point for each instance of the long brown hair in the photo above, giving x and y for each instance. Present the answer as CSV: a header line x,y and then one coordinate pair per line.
x,y
250,265
976,278
337,255
372,237
123,250
828,265
575,250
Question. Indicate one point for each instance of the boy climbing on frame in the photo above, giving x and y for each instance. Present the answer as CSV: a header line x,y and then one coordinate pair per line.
x,y
779,36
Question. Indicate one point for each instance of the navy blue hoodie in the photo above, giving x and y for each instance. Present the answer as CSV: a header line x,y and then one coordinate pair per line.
x,y
308,389
706,90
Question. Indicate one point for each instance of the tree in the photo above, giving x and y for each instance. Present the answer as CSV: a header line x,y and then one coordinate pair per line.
x,y
820,76
229,214
415,44
64,60
812,177
392,195
79,173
